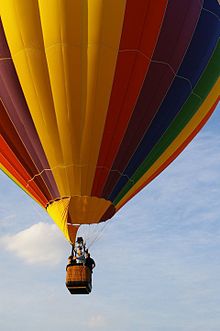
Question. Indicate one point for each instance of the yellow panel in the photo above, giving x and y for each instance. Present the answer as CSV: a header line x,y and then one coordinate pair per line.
x,y
103,38
80,210
184,134
81,43
65,47
65,54
58,211
86,210
22,26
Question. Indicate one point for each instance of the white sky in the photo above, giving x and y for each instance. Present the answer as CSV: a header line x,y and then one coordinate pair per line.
x,y
158,261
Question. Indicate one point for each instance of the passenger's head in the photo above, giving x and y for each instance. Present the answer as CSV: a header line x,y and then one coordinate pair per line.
x,y
79,252
88,254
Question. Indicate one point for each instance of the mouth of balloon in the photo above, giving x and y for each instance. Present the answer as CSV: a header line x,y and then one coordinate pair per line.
x,y
81,209
70,212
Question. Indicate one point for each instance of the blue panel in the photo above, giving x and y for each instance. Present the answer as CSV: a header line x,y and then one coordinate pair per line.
x,y
213,6
201,47
195,61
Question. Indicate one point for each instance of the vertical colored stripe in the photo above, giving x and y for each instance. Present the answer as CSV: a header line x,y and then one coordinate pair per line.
x,y
141,27
177,29
57,48
22,28
14,103
188,110
198,55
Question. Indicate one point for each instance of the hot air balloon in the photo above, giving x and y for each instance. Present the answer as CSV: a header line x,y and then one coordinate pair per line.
x,y
99,96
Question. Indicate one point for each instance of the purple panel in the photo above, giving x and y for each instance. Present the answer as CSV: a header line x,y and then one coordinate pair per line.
x,y
4,50
175,36
18,112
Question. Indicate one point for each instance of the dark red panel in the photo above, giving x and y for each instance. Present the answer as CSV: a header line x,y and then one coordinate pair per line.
x,y
13,140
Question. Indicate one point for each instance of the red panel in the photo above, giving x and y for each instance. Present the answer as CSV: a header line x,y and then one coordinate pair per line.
x,y
142,22
176,153
7,159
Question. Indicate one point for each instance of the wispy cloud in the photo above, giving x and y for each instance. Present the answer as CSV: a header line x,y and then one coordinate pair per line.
x,y
41,243
96,322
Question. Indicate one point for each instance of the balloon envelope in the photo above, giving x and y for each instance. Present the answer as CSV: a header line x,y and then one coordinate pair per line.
x,y
98,97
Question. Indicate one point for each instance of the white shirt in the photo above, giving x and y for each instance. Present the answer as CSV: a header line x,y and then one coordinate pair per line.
x,y
80,259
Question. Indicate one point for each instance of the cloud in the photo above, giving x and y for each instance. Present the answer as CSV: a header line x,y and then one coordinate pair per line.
x,y
96,321
41,243
157,262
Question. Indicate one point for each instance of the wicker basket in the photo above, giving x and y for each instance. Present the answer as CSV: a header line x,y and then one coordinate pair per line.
x,y
78,273
78,279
